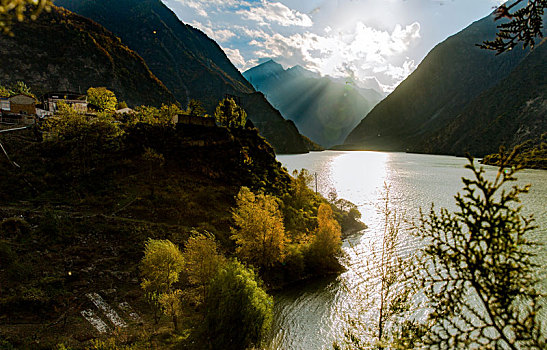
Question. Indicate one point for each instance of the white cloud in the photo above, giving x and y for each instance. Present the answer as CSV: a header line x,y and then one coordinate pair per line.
x,y
237,59
362,51
197,6
276,12
218,35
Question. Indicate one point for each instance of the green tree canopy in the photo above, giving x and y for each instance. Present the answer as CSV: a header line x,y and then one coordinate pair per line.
x,y
195,109
161,265
259,231
20,87
238,310
229,114
103,98
4,91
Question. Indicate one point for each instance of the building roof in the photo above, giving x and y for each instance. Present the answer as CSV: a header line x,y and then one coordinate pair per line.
x,y
25,95
124,110
64,95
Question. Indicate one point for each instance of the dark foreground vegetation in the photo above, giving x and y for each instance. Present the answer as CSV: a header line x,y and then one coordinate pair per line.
x,y
107,203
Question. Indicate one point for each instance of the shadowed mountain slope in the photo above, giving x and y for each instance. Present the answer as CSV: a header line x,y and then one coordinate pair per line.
x,y
453,75
64,51
188,62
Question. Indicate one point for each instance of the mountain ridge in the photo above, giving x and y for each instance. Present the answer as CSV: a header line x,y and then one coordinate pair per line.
x,y
188,62
452,75
324,110
65,51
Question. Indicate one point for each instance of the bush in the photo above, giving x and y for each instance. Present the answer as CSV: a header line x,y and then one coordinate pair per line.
x,y
238,310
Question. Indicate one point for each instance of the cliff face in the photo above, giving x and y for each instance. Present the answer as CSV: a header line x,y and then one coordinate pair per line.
x,y
190,64
324,110
64,51
454,73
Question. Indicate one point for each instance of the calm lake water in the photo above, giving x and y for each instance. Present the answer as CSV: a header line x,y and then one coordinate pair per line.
x,y
312,315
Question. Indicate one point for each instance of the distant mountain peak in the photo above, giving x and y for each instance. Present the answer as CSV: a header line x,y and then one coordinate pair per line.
x,y
298,69
270,65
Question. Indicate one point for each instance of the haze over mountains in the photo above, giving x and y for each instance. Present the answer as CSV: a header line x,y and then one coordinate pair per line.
x,y
189,63
461,99
323,110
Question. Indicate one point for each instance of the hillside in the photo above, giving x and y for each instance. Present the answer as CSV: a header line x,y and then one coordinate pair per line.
x,y
451,76
64,51
323,110
189,63
508,114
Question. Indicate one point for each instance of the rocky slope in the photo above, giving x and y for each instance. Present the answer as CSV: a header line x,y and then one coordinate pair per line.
x,y
189,63
324,110
64,51
453,75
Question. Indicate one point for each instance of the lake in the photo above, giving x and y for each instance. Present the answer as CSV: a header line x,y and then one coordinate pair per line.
x,y
312,315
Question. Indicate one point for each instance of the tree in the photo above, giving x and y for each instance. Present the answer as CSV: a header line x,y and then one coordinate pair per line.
x,y
382,290
238,310
103,98
87,140
161,265
326,244
4,92
17,9
477,268
525,25
259,231
229,114
122,105
195,109
20,87
171,304
303,180
167,113
202,260
160,269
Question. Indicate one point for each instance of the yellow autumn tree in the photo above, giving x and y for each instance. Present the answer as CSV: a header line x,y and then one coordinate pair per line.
x,y
202,261
259,231
327,242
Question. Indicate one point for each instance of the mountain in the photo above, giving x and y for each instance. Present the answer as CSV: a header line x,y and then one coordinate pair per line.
x,y
322,109
510,113
451,77
64,51
188,62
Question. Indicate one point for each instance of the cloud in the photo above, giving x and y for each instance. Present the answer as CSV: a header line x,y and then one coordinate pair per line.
x,y
197,6
275,12
237,59
360,51
202,8
218,35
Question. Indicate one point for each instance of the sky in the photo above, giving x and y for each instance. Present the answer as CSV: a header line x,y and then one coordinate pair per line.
x,y
375,43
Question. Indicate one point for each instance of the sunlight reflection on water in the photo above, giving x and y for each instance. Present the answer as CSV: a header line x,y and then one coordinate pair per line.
x,y
311,315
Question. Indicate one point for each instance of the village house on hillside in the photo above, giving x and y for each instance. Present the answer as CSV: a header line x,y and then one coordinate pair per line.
x,y
18,109
76,100
22,104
